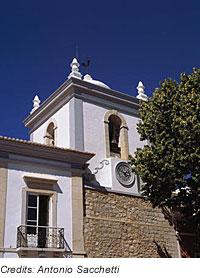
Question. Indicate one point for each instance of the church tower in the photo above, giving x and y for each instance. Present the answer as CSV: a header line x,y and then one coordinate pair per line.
x,y
86,114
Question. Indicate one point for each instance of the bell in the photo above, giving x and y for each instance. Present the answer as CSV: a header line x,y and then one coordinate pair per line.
x,y
114,141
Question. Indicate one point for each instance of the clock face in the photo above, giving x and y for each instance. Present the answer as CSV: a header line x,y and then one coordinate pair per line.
x,y
124,174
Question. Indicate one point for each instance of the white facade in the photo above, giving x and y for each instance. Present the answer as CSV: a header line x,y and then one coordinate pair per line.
x,y
14,208
94,132
41,200
61,120
80,107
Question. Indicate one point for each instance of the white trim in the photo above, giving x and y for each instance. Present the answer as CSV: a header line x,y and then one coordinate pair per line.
x,y
36,178
84,90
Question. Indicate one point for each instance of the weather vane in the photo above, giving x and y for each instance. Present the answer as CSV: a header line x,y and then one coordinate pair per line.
x,y
86,65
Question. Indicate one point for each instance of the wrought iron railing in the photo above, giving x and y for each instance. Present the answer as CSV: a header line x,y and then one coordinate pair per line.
x,y
41,237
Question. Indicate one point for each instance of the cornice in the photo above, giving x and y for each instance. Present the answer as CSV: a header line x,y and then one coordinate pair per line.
x,y
40,151
84,90
106,91
47,105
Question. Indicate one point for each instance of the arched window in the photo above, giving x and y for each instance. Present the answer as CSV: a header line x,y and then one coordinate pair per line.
x,y
50,136
116,133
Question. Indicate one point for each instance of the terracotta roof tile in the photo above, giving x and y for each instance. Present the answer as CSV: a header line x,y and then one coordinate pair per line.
x,y
4,138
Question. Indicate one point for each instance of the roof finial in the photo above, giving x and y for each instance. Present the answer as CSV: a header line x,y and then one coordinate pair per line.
x,y
75,69
36,104
141,94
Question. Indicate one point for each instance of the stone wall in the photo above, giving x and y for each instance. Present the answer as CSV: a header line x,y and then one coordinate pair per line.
x,y
117,225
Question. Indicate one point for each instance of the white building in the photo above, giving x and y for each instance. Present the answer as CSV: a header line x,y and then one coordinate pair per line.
x,y
82,134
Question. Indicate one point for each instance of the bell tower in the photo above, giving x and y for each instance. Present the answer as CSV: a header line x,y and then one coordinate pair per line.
x,y
86,114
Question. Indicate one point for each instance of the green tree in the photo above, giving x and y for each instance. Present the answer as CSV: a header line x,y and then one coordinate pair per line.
x,y
169,164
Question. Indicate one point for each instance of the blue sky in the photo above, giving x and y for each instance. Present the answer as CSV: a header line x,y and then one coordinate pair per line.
x,y
127,41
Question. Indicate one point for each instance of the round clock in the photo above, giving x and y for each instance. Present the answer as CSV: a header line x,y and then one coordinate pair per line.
x,y
124,174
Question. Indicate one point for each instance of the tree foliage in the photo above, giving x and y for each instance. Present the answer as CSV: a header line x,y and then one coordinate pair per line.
x,y
169,164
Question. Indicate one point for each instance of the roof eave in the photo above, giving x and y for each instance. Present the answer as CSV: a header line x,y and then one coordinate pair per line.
x,y
23,148
68,89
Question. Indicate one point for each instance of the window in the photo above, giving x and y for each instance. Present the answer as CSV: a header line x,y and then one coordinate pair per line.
x,y
116,135
50,135
38,227
37,219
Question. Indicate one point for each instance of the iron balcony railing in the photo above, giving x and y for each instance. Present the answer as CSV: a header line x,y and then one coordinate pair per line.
x,y
41,237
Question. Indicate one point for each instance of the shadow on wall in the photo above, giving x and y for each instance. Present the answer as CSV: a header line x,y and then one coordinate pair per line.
x,y
90,179
162,252
189,241
168,215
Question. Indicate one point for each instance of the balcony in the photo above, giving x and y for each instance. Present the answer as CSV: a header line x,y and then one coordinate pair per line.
x,y
29,236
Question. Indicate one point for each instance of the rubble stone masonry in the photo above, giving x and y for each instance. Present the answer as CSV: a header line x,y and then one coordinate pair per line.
x,y
117,225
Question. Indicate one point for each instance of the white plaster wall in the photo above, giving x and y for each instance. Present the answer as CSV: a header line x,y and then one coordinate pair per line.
x,y
94,132
14,202
94,141
133,136
62,119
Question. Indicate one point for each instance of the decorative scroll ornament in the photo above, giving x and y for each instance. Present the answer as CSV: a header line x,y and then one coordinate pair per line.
x,y
101,165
